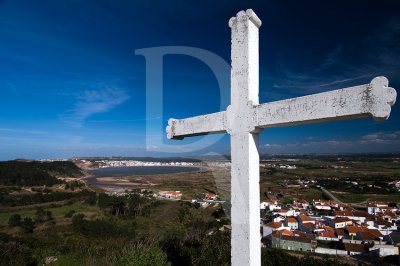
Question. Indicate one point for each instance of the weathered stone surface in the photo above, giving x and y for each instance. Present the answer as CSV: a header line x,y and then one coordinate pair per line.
x,y
245,118
370,100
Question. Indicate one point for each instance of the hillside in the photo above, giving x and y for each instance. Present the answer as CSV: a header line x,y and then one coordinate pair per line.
x,y
35,173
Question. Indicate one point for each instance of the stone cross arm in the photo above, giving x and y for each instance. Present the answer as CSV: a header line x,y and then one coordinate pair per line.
x,y
370,100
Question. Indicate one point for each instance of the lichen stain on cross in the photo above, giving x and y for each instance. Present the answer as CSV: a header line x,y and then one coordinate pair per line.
x,y
245,118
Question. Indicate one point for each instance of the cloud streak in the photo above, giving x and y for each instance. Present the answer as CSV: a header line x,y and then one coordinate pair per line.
x,y
92,102
346,64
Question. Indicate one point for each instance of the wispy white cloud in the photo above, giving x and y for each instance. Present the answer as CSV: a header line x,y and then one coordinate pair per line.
x,y
346,64
91,102
23,131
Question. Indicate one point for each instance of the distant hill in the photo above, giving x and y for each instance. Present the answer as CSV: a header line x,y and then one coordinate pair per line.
x,y
35,173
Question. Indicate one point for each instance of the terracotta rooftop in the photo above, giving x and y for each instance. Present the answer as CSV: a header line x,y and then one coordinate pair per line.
x,y
291,238
274,224
285,232
343,213
361,214
383,222
353,229
291,220
305,218
374,232
340,232
369,235
309,225
354,247
341,220
327,234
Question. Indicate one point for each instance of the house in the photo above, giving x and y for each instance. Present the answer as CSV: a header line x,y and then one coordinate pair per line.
x,y
340,233
383,250
271,205
298,243
325,205
307,228
272,227
374,207
286,212
211,196
353,215
302,218
301,204
384,226
353,230
339,222
354,249
370,235
285,232
328,234
292,223
171,194
390,216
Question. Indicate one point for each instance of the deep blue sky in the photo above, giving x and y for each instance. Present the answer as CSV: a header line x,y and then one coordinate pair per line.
x,y
71,84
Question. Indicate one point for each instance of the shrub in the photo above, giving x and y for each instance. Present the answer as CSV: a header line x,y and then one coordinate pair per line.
x,y
14,220
154,256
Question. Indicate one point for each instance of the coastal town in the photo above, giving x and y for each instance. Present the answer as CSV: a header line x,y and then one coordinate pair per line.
x,y
321,226
329,227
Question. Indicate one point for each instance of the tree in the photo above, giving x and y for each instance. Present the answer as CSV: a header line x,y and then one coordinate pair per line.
x,y
40,215
28,225
14,220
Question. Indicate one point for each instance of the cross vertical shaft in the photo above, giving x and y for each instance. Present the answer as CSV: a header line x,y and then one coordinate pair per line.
x,y
245,118
245,211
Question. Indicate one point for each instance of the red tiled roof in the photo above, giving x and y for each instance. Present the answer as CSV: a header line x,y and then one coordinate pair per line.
x,y
327,234
291,220
374,232
390,214
343,213
285,232
305,218
361,214
354,247
341,220
309,225
340,232
383,222
353,229
367,236
274,224
328,228
291,238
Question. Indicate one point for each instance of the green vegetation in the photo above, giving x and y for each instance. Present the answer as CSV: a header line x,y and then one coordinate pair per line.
x,y
42,217
363,198
34,173
153,256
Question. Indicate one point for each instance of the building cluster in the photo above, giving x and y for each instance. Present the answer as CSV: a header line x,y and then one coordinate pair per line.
x,y
176,195
342,230
396,184
125,163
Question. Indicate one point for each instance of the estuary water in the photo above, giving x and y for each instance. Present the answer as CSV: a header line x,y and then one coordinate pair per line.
x,y
136,171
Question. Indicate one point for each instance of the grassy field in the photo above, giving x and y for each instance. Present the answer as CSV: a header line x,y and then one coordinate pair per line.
x,y
363,198
57,212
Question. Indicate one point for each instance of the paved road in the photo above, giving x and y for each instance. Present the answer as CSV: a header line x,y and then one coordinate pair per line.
x,y
332,197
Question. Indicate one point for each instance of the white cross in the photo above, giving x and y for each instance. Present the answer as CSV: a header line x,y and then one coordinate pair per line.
x,y
245,118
